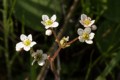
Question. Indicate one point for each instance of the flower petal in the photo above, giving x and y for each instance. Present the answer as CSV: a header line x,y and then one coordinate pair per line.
x,y
44,56
81,39
33,54
86,25
39,51
23,37
30,37
53,18
89,41
87,30
80,31
83,17
45,17
32,44
41,63
91,23
48,26
26,48
18,49
67,38
89,18
43,22
81,22
55,24
19,46
91,36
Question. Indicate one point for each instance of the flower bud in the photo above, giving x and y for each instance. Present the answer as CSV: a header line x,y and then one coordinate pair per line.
x,y
94,27
48,32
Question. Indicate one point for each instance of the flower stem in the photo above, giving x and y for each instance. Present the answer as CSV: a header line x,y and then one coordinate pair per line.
x,y
56,53
60,34
54,70
56,39
72,41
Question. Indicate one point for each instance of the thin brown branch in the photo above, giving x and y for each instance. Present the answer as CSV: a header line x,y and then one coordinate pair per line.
x,y
72,41
56,38
60,34
58,66
43,71
56,53
54,70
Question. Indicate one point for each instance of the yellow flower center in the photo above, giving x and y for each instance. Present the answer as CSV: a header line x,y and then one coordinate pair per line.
x,y
87,22
27,42
49,22
85,36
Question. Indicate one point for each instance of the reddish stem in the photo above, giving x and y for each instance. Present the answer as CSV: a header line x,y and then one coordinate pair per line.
x,y
56,53
72,41
57,40
54,70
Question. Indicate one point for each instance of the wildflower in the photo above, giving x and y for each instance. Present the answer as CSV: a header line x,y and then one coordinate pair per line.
x,y
86,21
63,42
85,35
48,32
26,43
49,23
39,57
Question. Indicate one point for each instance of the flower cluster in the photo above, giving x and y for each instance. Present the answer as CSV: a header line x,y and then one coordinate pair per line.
x,y
86,21
85,35
26,43
49,23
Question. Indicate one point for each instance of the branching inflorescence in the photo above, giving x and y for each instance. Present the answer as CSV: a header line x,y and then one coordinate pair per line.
x,y
84,35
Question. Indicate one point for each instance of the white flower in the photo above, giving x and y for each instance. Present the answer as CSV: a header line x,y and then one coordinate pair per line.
x,y
49,23
63,42
85,35
48,32
39,57
86,21
26,43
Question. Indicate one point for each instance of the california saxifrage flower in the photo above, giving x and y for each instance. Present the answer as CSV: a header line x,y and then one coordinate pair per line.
x,y
86,21
26,43
85,35
40,57
49,22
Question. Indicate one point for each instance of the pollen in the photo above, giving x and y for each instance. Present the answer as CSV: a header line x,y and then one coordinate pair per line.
x,y
49,22
87,22
85,36
27,42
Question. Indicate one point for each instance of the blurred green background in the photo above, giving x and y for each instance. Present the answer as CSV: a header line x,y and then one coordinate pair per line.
x,y
80,61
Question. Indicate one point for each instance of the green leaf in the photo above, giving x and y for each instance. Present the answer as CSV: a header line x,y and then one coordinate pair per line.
x,y
30,11
100,78
108,42
113,12
107,37
114,61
